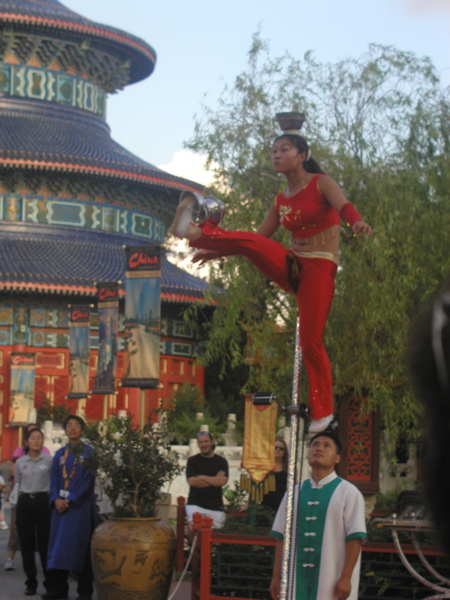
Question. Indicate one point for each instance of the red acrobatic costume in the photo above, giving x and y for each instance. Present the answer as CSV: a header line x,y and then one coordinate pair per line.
x,y
306,214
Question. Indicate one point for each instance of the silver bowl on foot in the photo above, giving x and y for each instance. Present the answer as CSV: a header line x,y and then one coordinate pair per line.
x,y
205,208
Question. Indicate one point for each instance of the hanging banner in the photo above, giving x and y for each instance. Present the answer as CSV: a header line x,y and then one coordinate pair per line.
x,y
108,318
142,317
21,387
258,455
79,351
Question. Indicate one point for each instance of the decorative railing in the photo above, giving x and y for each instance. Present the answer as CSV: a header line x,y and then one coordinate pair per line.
x,y
240,566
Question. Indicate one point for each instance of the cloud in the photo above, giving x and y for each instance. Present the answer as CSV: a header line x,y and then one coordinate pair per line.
x,y
427,6
189,165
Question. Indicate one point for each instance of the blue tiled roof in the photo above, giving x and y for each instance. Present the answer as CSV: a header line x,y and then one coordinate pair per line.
x,y
51,14
40,135
67,266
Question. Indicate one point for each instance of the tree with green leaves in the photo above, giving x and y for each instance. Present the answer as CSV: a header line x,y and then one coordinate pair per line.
x,y
379,126
183,418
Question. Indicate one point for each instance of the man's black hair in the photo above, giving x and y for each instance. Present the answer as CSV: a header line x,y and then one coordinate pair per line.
x,y
74,418
330,435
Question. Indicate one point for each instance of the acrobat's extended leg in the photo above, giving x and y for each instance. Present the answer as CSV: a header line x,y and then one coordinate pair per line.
x,y
314,297
266,254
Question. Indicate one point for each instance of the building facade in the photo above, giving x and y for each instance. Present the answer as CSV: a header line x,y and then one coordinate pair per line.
x,y
71,199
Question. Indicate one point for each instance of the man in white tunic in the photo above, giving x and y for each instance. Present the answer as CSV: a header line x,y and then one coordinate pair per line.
x,y
331,529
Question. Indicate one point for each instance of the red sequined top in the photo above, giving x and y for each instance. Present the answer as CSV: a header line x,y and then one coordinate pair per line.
x,y
308,212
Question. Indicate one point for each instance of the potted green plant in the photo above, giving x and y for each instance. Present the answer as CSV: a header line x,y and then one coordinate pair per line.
x,y
133,552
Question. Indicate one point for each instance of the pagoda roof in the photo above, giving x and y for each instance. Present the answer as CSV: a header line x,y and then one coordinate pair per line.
x,y
52,16
65,266
37,135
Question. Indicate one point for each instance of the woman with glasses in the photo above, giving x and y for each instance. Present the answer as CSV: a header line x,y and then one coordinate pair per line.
x,y
273,499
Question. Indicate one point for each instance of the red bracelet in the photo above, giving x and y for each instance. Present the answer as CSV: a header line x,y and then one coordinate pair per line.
x,y
349,213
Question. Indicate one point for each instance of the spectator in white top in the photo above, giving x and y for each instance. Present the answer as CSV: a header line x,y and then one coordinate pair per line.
x,y
33,509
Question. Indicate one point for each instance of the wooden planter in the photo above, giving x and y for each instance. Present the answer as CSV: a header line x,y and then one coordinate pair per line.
x,y
133,559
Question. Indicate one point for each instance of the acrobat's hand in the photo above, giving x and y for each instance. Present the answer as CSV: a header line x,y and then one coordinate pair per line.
x,y
203,256
361,228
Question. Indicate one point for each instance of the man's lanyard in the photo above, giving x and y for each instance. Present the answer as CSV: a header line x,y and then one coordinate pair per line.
x,y
64,469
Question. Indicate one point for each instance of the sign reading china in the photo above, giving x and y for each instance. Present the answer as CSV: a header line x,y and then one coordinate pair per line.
x,y
21,387
80,315
108,292
143,259
22,359
142,317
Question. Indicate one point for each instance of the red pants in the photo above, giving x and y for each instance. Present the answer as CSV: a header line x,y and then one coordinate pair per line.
x,y
314,297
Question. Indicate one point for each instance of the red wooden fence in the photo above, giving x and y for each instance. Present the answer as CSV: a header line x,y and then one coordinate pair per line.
x,y
202,562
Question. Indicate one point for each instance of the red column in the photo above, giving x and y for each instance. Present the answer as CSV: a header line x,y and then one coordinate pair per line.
x,y
205,558
134,404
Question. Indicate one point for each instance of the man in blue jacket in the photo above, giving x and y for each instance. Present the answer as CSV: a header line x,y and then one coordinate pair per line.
x,y
73,515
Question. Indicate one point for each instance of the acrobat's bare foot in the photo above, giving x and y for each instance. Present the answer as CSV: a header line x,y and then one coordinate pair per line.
x,y
182,226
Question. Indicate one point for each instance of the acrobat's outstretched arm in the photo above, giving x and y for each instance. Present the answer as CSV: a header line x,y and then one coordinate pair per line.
x,y
335,196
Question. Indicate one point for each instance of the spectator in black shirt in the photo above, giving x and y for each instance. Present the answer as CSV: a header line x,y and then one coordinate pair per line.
x,y
206,474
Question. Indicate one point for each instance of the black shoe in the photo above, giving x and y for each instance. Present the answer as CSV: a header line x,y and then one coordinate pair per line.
x,y
30,591
54,596
84,597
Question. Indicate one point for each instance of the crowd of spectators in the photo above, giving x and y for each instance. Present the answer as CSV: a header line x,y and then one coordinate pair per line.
x,y
53,512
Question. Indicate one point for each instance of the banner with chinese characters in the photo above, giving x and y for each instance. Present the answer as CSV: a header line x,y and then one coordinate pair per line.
x,y
21,387
108,319
142,317
79,351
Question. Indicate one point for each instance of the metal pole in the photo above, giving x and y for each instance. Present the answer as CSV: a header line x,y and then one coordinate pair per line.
x,y
288,557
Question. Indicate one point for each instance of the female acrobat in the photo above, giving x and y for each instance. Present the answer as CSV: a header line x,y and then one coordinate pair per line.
x,y
311,208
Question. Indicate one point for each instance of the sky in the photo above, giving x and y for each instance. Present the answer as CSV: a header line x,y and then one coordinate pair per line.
x,y
203,44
